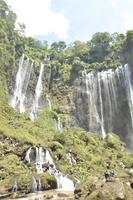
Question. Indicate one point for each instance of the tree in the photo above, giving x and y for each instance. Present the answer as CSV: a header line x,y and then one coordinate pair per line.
x,y
116,46
129,40
99,46
81,50
59,46
33,43
45,44
7,13
21,28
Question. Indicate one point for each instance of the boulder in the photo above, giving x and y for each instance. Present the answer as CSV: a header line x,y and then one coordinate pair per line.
x,y
110,190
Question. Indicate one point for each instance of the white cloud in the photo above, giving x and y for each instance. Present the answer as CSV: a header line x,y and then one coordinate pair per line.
x,y
39,18
114,3
127,22
123,15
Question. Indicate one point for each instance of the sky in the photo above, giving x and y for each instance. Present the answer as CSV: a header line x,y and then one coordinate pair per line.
x,y
71,20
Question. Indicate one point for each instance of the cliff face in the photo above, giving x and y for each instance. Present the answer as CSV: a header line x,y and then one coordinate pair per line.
x,y
98,101
104,102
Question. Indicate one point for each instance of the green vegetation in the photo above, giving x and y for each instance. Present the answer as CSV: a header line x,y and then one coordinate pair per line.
x,y
18,133
90,152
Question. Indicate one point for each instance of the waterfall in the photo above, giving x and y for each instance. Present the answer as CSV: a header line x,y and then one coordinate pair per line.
x,y
15,186
39,159
20,98
27,157
39,184
34,185
58,124
49,158
71,159
22,79
129,89
49,102
64,183
38,92
39,155
101,107
45,163
101,98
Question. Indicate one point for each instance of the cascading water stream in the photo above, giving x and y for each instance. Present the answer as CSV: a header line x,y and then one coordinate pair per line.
x,y
71,159
58,124
22,81
43,157
64,183
48,158
18,86
15,186
17,101
27,78
34,185
129,89
101,97
27,157
49,102
39,159
101,107
38,92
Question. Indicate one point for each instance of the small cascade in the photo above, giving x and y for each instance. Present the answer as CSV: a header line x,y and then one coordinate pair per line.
x,y
34,185
44,163
39,159
49,159
39,184
102,97
71,159
64,183
49,102
58,124
18,99
15,186
38,92
27,157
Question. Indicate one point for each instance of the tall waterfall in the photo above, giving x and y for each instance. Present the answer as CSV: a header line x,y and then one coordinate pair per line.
x,y
129,89
38,92
45,163
104,102
22,80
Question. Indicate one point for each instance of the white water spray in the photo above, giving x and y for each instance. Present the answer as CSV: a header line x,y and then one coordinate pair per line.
x,y
38,92
22,81
49,102
43,157
98,99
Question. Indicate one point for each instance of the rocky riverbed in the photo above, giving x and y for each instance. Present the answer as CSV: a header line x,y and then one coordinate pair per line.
x,y
51,194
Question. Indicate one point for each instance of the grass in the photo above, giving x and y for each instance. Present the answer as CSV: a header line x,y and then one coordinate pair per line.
x,y
90,152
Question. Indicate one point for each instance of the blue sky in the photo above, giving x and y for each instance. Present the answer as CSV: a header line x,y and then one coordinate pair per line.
x,y
71,20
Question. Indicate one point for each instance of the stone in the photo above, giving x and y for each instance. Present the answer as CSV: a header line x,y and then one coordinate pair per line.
x,y
77,191
63,195
49,197
131,183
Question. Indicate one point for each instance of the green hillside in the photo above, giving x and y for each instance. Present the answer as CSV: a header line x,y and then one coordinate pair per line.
x,y
18,133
